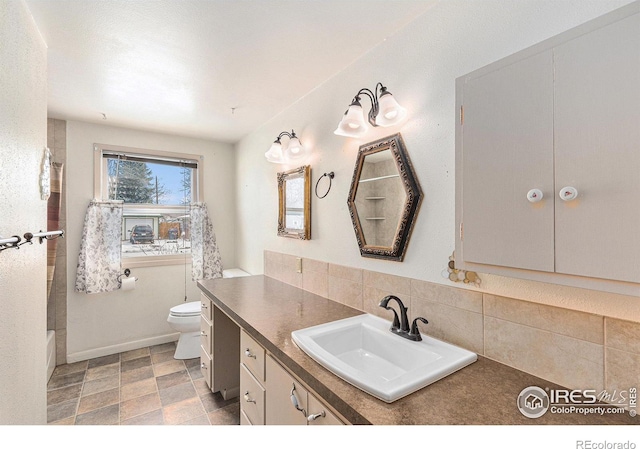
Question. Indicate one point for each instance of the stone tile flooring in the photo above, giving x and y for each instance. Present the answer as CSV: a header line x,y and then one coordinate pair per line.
x,y
143,386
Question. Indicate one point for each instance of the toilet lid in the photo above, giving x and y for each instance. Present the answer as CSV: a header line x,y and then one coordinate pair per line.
x,y
187,309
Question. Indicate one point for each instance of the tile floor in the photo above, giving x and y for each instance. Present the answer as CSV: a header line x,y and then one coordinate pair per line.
x,y
144,386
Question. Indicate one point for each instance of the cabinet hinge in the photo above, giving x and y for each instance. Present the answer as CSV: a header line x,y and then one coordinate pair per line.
x,y
461,232
461,115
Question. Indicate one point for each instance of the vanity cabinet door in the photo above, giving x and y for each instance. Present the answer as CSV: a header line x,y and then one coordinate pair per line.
x,y
507,138
597,142
281,386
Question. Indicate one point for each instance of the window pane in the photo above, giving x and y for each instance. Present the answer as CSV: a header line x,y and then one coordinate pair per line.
x,y
137,182
156,234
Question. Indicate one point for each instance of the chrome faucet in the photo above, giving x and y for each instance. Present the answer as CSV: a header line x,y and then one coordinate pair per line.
x,y
401,326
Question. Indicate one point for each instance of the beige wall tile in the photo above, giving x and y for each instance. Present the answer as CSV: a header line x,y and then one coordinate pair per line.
x,y
395,285
343,272
315,265
624,335
345,292
450,296
570,362
584,326
451,324
315,282
622,370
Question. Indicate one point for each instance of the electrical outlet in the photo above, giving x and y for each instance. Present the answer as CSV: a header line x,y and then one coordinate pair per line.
x,y
298,264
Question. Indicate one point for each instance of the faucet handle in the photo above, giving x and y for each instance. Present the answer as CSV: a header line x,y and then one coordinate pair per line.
x,y
414,333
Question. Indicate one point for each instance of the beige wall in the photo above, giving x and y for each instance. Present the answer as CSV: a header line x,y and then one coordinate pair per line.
x,y
23,280
419,66
574,349
107,323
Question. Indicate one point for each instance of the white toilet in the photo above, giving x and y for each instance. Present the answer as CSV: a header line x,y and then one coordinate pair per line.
x,y
185,318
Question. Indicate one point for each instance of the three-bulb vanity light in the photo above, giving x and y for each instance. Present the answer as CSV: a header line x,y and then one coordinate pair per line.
x,y
385,111
291,153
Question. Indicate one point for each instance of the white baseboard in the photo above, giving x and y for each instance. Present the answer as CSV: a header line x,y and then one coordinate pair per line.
x,y
123,347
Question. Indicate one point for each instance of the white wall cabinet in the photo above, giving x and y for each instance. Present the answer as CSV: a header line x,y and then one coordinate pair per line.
x,y
271,395
219,349
564,113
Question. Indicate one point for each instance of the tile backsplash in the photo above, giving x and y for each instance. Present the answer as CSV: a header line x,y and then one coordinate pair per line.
x,y
575,349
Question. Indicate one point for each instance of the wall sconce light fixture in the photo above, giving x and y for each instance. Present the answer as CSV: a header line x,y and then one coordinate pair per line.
x,y
291,153
385,111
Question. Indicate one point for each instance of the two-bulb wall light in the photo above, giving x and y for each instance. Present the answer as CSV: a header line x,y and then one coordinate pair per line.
x,y
291,153
385,111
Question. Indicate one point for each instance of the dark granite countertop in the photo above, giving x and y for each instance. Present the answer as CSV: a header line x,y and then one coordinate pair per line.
x,y
484,392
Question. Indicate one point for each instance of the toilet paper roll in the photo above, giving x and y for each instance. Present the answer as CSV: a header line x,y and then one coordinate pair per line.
x,y
128,283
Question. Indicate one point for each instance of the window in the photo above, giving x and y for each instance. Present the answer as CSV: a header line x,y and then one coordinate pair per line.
x,y
157,189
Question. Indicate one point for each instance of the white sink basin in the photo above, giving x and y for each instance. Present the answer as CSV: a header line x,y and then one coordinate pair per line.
x,y
363,351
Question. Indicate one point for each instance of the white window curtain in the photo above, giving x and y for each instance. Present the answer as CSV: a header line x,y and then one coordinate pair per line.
x,y
99,262
206,261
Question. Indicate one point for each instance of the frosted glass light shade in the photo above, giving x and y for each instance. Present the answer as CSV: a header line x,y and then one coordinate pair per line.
x,y
275,153
352,123
294,150
390,112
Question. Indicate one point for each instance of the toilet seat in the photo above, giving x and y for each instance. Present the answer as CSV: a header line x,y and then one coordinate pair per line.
x,y
187,309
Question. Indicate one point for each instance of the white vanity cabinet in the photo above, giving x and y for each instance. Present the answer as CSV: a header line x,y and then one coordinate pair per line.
x,y
271,395
548,160
219,340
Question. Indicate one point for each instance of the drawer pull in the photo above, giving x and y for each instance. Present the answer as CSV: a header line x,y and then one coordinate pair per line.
x,y
247,398
203,366
203,334
247,352
322,414
204,306
294,401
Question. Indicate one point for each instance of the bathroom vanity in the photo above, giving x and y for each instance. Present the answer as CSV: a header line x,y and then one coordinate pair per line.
x,y
266,311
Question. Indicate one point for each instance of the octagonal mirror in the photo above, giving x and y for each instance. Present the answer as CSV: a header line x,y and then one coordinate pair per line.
x,y
384,198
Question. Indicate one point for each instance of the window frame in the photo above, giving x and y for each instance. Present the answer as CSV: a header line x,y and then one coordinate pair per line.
x,y
100,182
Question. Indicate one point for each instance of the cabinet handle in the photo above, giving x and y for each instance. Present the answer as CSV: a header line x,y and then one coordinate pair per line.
x,y
294,401
203,306
322,414
247,398
203,334
534,195
247,352
568,193
203,366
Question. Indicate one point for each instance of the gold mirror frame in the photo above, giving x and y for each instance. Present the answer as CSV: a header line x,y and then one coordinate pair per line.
x,y
303,172
396,251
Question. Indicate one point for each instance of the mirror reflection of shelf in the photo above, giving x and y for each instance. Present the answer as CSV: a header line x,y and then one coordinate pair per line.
x,y
375,198
379,178
374,218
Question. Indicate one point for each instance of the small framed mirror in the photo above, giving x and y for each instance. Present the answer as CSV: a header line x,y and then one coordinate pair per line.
x,y
384,198
294,193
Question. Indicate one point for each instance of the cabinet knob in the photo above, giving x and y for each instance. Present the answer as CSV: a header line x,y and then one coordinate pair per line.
x,y
247,352
322,414
568,193
534,195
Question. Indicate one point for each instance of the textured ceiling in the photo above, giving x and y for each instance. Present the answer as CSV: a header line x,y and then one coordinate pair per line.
x,y
214,69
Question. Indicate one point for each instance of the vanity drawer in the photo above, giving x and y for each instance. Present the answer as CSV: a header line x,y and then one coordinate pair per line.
x,y
205,334
251,397
206,367
252,355
206,307
244,421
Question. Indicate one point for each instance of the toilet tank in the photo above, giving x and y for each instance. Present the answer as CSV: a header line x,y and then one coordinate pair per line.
x,y
234,273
